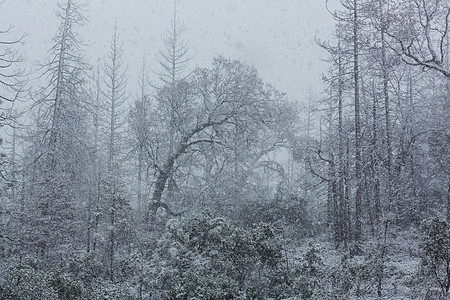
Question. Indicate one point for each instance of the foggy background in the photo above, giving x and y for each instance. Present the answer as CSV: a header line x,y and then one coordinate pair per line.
x,y
275,36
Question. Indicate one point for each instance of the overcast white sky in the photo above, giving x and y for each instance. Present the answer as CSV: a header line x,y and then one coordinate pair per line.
x,y
275,36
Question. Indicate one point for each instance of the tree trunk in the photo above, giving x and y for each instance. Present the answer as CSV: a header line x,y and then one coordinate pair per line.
x,y
386,109
448,203
358,224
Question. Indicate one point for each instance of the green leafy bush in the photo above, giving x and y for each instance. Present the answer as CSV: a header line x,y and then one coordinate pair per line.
x,y
311,273
285,210
436,253
204,257
23,281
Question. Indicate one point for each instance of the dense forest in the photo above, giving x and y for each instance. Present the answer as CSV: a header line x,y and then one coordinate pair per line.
x,y
211,184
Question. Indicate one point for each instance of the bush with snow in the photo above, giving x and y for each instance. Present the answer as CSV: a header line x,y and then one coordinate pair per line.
x,y
205,257
436,253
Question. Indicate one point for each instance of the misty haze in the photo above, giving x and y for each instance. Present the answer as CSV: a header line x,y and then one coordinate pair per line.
x,y
239,149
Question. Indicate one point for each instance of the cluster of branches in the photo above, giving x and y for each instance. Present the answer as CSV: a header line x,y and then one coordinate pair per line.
x,y
88,157
373,76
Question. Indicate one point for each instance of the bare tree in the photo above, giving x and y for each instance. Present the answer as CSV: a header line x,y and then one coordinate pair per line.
x,y
341,61
65,70
12,84
174,56
57,151
173,59
138,118
421,34
351,20
94,208
115,95
213,102
11,72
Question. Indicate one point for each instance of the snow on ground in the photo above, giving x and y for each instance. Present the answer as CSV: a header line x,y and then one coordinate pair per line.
x,y
401,278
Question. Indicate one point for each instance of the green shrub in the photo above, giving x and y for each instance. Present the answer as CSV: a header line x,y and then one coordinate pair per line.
x,y
24,282
66,286
435,247
285,210
204,257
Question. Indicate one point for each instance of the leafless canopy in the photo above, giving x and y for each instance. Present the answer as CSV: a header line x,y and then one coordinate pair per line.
x,y
421,34
11,73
